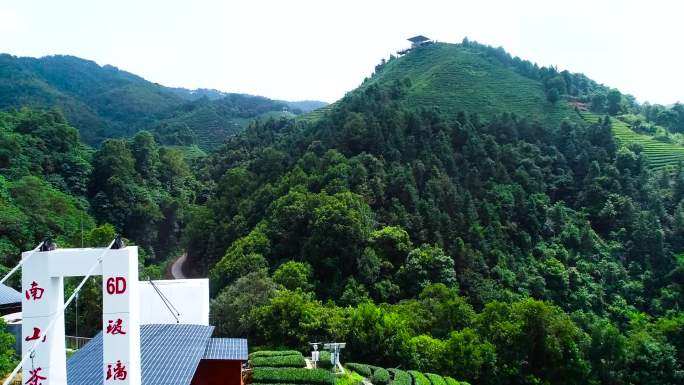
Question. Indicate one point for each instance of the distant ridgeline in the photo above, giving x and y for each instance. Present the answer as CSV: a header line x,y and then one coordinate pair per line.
x,y
105,102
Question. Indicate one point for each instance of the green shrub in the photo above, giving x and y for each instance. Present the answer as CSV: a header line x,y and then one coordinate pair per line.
x,y
451,381
324,360
292,376
435,379
361,369
419,378
380,376
400,377
274,353
292,361
272,383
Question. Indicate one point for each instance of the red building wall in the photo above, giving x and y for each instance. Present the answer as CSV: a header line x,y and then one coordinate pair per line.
x,y
218,372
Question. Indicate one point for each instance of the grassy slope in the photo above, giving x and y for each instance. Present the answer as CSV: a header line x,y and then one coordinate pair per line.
x,y
455,78
212,126
315,114
660,155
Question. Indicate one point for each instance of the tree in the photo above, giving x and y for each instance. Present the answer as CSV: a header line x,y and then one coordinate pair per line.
x,y
111,183
427,353
651,361
232,310
613,101
294,275
294,318
552,95
598,103
376,335
425,265
245,255
466,356
8,357
607,352
339,228
101,236
49,212
391,243
557,83
448,310
534,341
142,191
354,294
146,154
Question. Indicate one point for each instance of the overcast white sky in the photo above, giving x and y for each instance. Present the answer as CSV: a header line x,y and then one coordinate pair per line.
x,y
321,49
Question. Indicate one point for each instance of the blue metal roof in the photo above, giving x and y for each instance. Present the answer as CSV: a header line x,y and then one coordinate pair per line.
x,y
85,366
9,296
226,349
169,354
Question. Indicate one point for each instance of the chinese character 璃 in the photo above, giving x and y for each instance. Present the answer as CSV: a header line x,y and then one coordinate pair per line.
x,y
117,373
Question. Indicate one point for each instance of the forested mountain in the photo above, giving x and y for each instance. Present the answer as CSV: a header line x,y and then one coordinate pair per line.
x,y
456,214
462,212
105,102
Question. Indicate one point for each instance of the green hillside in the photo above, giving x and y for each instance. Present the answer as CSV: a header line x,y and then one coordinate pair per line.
x,y
660,154
467,77
208,122
101,101
475,246
455,78
105,102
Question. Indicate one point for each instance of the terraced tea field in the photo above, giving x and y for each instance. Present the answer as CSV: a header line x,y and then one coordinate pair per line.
x,y
660,154
315,114
457,78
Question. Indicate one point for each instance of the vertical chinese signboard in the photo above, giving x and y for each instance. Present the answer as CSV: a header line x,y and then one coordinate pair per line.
x,y
121,318
43,298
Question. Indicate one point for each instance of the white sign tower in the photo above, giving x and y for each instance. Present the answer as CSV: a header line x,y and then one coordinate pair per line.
x,y
43,304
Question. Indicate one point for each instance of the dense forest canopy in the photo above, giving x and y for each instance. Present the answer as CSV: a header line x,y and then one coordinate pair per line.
x,y
455,214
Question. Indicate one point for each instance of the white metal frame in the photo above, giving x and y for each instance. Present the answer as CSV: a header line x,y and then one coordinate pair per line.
x,y
43,303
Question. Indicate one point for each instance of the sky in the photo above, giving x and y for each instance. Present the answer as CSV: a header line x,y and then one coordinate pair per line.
x,y
296,50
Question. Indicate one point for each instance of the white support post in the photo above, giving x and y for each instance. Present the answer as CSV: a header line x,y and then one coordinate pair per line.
x,y
121,317
42,299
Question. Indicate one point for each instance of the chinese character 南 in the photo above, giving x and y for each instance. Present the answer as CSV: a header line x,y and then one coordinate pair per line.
x,y
35,292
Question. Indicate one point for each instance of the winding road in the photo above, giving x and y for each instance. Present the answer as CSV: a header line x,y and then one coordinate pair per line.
x,y
177,267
